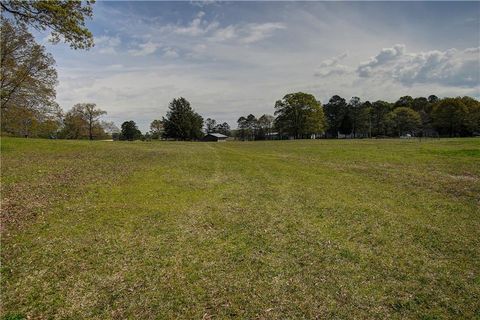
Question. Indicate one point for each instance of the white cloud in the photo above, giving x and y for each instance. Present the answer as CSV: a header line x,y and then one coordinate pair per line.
x,y
332,66
203,3
223,34
107,44
197,27
232,59
450,67
246,34
170,53
259,31
144,49
212,30
386,55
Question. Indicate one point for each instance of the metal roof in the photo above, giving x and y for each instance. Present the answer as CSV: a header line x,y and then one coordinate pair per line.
x,y
218,135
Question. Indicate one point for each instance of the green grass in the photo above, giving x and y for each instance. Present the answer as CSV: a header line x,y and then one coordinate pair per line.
x,y
255,230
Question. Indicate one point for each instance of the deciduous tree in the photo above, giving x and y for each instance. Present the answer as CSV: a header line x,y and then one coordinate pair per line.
x,y
223,128
449,116
335,110
130,131
64,18
156,129
27,76
90,114
265,125
404,120
299,115
472,123
210,125
380,109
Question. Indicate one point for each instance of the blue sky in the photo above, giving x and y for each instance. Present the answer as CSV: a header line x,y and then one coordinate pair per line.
x,y
234,58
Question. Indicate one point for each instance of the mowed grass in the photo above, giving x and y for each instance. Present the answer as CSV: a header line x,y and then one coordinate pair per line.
x,y
327,229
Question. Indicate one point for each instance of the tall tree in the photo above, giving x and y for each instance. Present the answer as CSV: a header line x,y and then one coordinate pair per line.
x,y
64,18
110,129
405,101
433,99
182,122
156,129
242,127
82,121
472,123
130,131
365,119
27,75
210,125
354,106
449,116
420,104
380,109
74,125
265,125
252,126
299,115
335,110
404,120
423,106
90,114
223,128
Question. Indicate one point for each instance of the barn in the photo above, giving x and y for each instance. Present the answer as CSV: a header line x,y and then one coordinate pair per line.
x,y
217,137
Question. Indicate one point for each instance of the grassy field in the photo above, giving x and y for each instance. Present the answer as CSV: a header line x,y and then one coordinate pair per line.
x,y
255,230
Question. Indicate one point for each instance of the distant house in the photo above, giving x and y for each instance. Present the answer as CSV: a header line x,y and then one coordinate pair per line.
x,y
217,137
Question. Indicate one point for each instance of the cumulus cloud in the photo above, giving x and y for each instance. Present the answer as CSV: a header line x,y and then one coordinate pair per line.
x,y
332,66
385,56
450,67
230,62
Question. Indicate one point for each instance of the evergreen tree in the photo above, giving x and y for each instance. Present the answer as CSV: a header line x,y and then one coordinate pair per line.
x,y
182,122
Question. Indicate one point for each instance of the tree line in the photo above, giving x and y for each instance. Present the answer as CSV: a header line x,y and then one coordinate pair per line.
x,y
300,115
28,106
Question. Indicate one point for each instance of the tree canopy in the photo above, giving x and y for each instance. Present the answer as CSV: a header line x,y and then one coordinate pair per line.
x,y
299,115
156,129
211,126
182,122
130,131
404,120
90,113
450,116
27,81
335,110
82,121
64,18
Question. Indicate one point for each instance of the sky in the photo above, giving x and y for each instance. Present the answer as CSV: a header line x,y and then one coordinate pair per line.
x,y
235,58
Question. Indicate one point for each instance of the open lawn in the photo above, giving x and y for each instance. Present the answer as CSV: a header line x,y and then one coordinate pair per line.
x,y
255,230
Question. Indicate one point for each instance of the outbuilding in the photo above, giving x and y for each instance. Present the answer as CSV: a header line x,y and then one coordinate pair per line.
x,y
216,137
